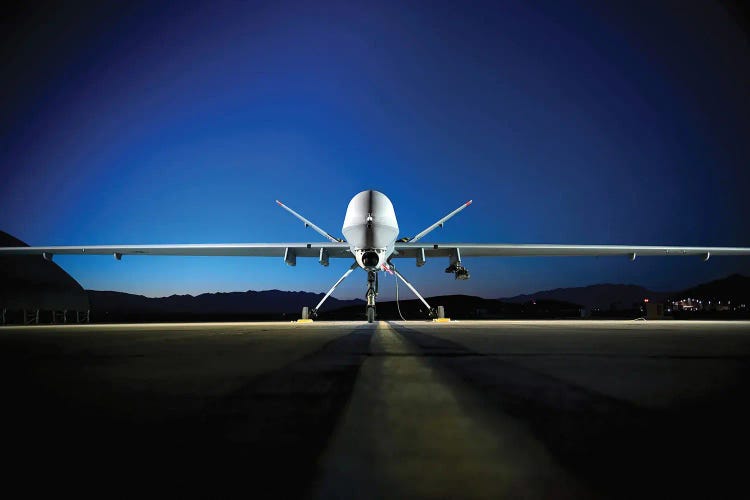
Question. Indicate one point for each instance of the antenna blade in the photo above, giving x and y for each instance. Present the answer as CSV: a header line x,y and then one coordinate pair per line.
x,y
308,223
440,222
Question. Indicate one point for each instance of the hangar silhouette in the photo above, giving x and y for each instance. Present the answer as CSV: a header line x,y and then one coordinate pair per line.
x,y
35,290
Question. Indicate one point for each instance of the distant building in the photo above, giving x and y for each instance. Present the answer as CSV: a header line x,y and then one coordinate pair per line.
x,y
654,310
687,305
718,305
712,305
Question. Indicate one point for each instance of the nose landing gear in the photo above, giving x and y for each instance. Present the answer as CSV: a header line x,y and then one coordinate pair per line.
x,y
372,293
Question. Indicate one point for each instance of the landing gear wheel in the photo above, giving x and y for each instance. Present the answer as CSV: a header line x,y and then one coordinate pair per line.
x,y
370,314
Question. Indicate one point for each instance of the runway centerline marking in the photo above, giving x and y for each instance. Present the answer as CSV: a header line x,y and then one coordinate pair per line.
x,y
404,426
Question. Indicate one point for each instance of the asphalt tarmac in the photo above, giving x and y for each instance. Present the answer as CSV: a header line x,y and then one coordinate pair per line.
x,y
506,409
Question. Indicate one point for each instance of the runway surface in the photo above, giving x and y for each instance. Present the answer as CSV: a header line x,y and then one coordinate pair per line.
x,y
532,409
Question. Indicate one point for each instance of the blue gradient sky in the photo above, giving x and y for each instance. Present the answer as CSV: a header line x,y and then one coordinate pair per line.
x,y
580,123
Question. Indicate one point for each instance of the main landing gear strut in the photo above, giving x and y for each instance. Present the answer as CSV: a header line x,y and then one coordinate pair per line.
x,y
372,293
431,311
309,314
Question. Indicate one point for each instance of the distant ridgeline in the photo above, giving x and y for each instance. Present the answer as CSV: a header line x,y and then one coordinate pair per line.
x,y
35,290
612,301
280,305
724,298
229,306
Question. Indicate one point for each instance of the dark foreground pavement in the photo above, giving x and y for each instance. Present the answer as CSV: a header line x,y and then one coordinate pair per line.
x,y
336,410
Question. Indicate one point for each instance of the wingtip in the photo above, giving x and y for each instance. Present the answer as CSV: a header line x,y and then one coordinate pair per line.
x,y
279,203
469,202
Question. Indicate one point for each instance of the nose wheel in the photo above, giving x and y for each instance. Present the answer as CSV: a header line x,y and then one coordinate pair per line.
x,y
372,293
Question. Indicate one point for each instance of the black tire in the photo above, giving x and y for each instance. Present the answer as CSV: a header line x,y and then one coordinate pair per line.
x,y
370,314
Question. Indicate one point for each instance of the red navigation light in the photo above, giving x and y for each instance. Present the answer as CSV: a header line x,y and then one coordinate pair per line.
x,y
645,300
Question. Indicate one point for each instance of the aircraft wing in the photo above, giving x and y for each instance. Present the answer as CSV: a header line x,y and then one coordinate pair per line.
x,y
285,250
414,250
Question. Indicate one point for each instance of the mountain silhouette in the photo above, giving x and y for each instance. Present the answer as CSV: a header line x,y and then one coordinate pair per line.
x,y
622,297
111,306
732,288
604,296
266,304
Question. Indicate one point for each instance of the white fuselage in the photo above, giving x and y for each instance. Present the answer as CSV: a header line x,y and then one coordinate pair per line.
x,y
370,228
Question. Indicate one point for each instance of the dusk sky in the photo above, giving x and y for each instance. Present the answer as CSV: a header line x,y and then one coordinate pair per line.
x,y
565,122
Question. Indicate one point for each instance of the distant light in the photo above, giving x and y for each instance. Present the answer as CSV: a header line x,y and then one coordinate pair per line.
x,y
645,300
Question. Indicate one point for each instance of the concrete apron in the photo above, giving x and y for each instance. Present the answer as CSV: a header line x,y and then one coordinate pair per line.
x,y
412,431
